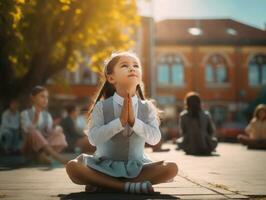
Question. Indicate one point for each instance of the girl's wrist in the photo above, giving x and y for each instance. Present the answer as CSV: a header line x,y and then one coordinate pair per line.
x,y
123,123
132,123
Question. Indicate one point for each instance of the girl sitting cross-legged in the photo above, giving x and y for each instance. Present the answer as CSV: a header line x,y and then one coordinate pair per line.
x,y
120,122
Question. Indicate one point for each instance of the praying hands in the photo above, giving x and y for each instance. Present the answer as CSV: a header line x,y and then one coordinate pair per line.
x,y
127,114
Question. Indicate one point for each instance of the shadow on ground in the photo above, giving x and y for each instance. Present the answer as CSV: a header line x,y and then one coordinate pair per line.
x,y
13,162
113,196
8,163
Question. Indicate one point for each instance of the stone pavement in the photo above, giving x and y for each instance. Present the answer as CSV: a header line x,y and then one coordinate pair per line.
x,y
234,173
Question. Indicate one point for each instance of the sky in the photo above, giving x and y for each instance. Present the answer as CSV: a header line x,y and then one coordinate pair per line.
x,y
251,12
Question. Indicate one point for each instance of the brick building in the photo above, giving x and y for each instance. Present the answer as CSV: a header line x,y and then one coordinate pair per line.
x,y
222,59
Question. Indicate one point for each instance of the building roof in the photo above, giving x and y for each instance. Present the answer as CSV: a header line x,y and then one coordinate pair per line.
x,y
208,31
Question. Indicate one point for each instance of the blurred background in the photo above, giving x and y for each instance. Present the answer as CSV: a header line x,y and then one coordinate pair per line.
x,y
216,48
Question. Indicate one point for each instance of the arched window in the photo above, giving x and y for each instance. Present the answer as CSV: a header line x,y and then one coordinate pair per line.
x,y
216,69
170,71
257,70
163,74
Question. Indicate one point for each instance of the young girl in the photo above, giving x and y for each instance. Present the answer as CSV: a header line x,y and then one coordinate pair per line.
x,y
119,126
256,130
196,127
75,137
9,128
40,138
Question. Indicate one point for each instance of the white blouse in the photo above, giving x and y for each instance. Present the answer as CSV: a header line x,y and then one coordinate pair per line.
x,y
98,132
256,129
10,120
45,126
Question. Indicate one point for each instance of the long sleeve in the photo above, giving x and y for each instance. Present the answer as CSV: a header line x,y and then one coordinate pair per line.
x,y
98,132
10,121
4,121
42,125
49,123
149,131
250,128
25,121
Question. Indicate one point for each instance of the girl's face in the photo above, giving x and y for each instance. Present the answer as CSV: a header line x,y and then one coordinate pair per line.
x,y
41,99
126,73
262,114
13,106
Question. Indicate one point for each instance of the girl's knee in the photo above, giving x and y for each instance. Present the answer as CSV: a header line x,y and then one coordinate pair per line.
x,y
72,170
172,168
71,167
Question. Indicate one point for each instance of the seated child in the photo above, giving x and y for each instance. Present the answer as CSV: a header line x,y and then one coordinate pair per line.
x,y
121,121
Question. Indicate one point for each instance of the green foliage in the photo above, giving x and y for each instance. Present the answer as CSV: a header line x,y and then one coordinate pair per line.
x,y
41,38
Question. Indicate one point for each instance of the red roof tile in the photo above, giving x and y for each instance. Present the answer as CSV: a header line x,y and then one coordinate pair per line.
x,y
214,31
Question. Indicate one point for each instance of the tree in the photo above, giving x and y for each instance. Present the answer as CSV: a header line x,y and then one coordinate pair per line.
x,y
40,38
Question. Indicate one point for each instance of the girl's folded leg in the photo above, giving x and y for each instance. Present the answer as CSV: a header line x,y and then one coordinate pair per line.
x,y
48,149
43,158
156,174
83,175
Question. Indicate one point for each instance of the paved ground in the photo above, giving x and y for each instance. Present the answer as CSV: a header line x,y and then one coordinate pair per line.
x,y
234,173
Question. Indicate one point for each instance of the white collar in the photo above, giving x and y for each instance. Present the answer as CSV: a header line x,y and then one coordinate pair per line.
x,y
120,100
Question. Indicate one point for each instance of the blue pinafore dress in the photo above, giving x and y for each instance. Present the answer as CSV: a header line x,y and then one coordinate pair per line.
x,y
121,156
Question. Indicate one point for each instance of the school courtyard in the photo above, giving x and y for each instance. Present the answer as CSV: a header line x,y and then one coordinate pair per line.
x,y
233,173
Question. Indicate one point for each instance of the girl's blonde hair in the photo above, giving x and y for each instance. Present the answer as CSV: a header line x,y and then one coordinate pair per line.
x,y
107,90
260,107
